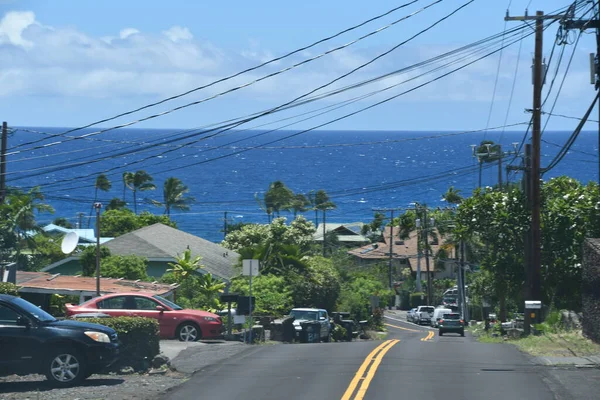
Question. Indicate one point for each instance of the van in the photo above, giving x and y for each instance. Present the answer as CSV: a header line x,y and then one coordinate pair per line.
x,y
437,315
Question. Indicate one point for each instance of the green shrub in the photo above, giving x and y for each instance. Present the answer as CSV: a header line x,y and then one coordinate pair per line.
x,y
376,320
417,299
9,288
138,337
339,333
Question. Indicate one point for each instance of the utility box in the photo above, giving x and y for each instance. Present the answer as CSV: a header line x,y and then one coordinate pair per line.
x,y
533,310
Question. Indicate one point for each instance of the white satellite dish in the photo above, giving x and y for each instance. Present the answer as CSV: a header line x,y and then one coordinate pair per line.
x,y
69,242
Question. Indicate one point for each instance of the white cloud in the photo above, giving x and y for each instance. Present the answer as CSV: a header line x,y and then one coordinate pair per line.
x,y
12,26
125,33
177,34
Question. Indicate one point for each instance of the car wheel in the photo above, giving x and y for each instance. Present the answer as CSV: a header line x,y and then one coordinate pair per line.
x,y
188,332
65,368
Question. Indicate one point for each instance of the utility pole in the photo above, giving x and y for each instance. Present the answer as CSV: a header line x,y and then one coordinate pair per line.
x,y
391,252
527,240
3,162
426,234
97,206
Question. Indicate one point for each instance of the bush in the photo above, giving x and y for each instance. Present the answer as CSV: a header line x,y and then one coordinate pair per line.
x,y
9,288
376,320
417,299
138,338
339,333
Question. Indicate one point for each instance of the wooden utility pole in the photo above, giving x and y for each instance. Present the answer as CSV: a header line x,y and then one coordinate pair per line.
x,y
3,161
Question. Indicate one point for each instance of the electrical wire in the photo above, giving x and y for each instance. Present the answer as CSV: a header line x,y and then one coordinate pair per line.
x,y
247,84
565,149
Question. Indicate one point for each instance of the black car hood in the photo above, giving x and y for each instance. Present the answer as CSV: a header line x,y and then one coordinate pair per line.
x,y
80,326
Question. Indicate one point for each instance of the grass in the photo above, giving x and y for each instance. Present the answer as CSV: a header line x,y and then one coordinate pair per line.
x,y
557,344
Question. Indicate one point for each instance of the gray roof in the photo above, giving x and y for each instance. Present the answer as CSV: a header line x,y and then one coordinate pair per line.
x,y
162,242
349,232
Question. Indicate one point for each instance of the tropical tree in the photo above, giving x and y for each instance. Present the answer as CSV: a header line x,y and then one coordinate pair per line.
x,y
278,197
174,196
62,221
263,206
140,181
299,203
121,221
102,183
323,203
115,204
127,179
186,266
452,196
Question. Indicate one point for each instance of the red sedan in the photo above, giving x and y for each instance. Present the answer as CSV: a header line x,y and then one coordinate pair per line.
x,y
174,321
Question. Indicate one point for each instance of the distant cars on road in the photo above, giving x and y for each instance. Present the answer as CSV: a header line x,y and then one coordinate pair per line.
x,y
174,321
34,342
410,315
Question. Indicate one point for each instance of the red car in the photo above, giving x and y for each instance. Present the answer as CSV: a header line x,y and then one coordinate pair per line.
x,y
174,321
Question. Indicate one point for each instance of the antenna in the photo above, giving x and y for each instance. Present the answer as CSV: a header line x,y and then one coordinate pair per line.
x,y
69,242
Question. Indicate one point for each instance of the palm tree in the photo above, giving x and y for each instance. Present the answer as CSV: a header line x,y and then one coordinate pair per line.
x,y
279,197
115,204
140,181
174,196
453,196
127,179
299,203
102,183
263,206
185,266
323,203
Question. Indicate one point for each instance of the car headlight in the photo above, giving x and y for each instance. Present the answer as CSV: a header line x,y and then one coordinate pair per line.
x,y
98,336
212,319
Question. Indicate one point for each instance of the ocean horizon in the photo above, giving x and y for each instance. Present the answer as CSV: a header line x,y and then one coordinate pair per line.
x,y
360,170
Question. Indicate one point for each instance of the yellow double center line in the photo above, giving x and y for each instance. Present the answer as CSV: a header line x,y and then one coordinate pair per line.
x,y
367,370
428,337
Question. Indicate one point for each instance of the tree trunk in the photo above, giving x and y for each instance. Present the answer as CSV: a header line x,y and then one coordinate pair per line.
x,y
134,202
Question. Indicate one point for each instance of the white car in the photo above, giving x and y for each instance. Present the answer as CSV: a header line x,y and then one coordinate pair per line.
x,y
312,314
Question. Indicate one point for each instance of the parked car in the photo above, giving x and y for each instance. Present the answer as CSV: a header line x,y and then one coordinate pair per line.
x,y
34,342
410,315
312,314
423,315
438,314
174,321
451,323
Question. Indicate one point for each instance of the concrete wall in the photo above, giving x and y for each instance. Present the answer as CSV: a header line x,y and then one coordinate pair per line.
x,y
591,289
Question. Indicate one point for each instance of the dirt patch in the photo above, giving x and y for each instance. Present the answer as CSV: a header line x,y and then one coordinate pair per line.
x,y
112,386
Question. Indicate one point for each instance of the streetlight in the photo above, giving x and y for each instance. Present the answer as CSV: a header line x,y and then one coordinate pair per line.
x,y
97,207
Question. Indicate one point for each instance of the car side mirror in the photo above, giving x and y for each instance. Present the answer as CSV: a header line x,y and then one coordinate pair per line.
x,y
22,321
160,308
322,318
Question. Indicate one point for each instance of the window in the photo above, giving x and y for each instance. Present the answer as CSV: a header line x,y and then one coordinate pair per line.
x,y
113,303
142,303
7,316
322,314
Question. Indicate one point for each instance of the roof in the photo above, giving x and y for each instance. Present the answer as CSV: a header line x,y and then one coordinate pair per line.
x,y
42,282
401,249
86,236
349,232
162,242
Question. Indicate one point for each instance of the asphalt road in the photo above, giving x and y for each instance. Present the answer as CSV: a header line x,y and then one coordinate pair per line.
x,y
413,362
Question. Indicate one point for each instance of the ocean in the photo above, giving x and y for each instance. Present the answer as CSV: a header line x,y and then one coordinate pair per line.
x,y
360,170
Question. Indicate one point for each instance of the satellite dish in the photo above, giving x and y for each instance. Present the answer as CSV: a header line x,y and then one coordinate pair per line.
x,y
69,242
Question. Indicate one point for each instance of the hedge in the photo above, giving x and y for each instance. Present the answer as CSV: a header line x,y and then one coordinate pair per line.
x,y
9,288
417,299
138,337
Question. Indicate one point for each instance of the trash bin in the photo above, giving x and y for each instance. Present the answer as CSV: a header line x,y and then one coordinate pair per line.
x,y
288,329
311,332
348,324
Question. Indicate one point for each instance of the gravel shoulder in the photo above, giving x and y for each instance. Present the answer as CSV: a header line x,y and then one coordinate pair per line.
x,y
124,387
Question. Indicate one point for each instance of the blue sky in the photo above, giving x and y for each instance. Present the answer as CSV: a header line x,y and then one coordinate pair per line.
x,y
68,63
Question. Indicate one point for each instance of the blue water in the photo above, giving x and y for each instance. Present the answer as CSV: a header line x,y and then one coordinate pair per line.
x,y
360,170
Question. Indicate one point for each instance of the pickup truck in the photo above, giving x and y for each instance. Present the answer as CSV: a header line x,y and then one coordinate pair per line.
x,y
423,315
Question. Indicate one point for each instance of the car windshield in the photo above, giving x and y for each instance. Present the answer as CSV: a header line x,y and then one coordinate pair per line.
x,y
167,302
302,314
427,309
37,312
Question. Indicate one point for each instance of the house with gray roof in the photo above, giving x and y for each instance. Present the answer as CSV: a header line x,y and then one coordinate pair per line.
x,y
348,233
161,245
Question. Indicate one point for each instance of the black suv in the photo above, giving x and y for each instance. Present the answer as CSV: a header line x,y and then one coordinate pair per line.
x,y
33,341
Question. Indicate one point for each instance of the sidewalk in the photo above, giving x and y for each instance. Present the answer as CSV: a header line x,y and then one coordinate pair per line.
x,y
578,362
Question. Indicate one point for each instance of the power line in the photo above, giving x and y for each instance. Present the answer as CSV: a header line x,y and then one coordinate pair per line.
x,y
160,114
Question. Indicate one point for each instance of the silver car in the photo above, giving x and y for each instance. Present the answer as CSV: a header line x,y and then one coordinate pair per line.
x,y
410,315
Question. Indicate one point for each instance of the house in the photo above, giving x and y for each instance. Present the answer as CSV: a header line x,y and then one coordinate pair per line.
x,y
87,237
160,245
348,234
37,287
404,254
